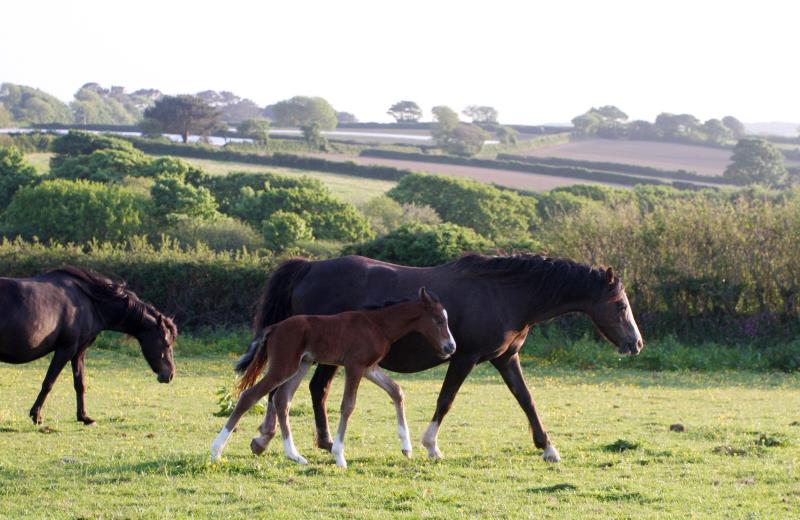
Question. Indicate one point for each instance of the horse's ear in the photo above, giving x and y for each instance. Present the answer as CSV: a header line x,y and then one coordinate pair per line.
x,y
610,276
423,295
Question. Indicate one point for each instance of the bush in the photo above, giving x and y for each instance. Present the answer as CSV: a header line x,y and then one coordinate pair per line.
x,y
76,211
488,210
15,173
172,197
196,285
329,218
227,189
282,230
422,245
221,234
28,142
106,165
76,142
174,166
385,214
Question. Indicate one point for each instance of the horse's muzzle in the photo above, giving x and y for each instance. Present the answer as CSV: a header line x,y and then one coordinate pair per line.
x,y
165,377
633,348
448,349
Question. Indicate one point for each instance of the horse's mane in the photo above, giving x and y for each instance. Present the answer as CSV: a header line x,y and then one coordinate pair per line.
x,y
387,303
560,279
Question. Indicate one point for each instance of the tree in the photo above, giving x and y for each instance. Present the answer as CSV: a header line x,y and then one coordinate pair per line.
x,y
95,105
481,114
405,112
346,117
736,126
183,115
15,173
445,117
31,105
506,135
174,197
256,129
607,119
454,136
302,111
610,113
5,116
313,136
283,229
676,125
717,132
756,161
586,124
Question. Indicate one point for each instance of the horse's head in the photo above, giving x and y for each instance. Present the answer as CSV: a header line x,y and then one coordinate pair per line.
x,y
433,325
612,315
156,338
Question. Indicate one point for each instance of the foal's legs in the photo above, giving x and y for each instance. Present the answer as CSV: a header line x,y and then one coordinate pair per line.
x,y
352,379
277,374
457,372
282,400
379,377
511,371
319,386
80,388
60,359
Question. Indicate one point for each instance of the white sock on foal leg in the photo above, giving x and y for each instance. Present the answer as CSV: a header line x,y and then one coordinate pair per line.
x,y
405,439
219,444
291,451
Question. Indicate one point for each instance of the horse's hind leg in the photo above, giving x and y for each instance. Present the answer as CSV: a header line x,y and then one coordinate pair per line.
x,y
267,428
80,388
280,399
60,359
379,377
352,379
283,401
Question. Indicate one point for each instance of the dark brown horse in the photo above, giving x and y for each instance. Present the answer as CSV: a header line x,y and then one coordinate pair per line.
x,y
356,340
63,311
492,302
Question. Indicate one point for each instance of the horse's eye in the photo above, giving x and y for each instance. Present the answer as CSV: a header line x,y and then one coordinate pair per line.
x,y
621,306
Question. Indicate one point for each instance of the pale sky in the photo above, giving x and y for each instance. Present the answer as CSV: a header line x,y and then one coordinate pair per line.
x,y
535,61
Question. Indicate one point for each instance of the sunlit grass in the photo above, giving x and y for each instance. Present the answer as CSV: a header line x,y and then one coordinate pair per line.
x,y
39,160
147,457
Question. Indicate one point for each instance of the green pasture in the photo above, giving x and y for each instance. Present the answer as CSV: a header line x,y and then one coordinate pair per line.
x,y
147,457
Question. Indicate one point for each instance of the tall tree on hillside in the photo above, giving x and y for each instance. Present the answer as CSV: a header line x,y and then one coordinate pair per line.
x,y
736,126
233,109
183,115
94,104
346,117
453,136
717,132
31,105
405,112
5,117
607,117
481,114
756,161
303,111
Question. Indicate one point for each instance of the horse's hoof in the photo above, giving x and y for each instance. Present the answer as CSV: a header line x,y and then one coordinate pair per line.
x,y
256,447
407,453
298,459
87,421
551,454
325,444
36,418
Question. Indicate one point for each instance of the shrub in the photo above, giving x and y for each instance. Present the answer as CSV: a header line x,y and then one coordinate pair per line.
x,y
172,196
385,214
422,245
329,218
174,166
84,143
106,165
76,211
15,173
490,211
283,229
227,189
221,234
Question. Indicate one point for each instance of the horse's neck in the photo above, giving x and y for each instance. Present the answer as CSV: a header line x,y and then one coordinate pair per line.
x,y
394,322
122,317
550,302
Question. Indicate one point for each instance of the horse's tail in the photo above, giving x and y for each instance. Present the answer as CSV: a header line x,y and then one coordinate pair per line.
x,y
275,303
253,362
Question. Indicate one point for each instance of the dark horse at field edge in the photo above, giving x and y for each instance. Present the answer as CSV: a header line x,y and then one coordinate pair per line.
x,y
63,311
492,302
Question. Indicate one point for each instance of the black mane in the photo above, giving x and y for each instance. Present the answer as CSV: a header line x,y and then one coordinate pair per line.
x,y
95,285
553,279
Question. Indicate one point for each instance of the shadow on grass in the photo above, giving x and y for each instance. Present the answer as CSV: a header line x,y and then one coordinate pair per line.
x,y
555,488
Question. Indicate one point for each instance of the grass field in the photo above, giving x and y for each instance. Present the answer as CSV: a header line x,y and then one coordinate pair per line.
x,y
148,455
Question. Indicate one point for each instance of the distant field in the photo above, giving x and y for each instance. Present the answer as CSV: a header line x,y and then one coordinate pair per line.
x,y
148,455
355,190
512,179
40,161
672,156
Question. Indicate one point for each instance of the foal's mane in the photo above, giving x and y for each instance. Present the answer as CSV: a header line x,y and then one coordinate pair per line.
x,y
552,279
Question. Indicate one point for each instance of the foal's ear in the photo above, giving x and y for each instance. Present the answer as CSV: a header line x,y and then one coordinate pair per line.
x,y
610,276
423,296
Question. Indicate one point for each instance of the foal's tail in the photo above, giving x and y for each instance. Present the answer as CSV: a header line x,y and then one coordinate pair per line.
x,y
254,361
275,303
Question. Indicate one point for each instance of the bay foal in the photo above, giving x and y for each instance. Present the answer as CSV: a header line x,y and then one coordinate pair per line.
x,y
356,340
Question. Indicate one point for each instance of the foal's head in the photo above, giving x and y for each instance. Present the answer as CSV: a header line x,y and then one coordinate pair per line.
x,y
611,313
432,324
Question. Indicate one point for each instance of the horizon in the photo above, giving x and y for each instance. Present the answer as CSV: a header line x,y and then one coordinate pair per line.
x,y
704,67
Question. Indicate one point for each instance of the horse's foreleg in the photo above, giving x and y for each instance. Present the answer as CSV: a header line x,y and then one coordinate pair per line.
x,y
457,372
511,371
379,377
352,379
267,428
60,359
319,386
78,374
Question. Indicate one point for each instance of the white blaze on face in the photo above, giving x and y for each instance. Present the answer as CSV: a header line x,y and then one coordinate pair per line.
x,y
452,339
630,319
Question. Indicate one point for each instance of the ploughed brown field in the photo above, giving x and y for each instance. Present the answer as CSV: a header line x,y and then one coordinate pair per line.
x,y
511,179
672,156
